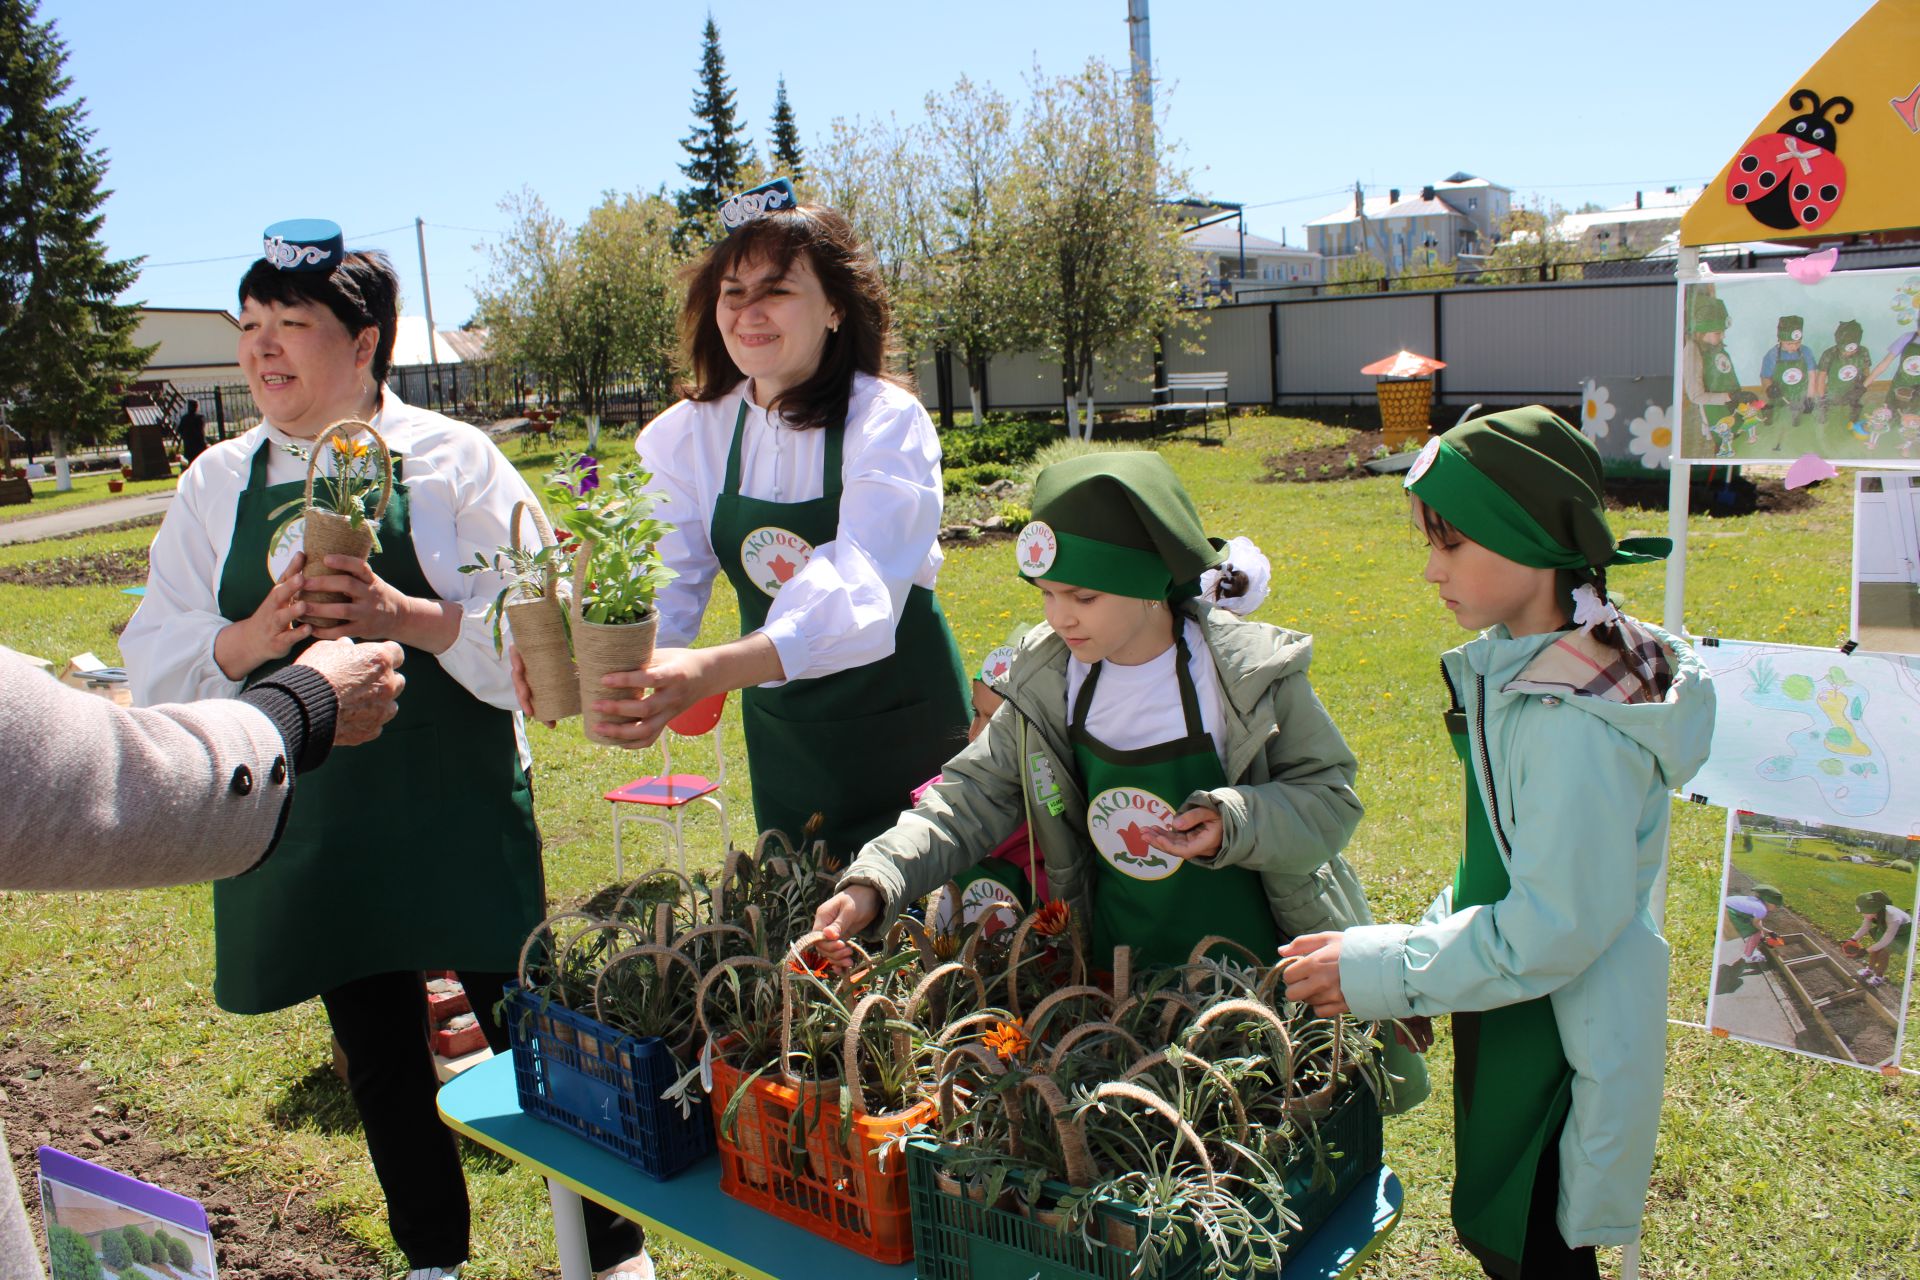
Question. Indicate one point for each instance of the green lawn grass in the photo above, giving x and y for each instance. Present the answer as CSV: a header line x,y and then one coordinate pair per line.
x,y
122,981
1821,893
88,489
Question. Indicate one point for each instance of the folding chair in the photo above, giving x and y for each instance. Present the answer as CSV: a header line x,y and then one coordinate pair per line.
x,y
668,794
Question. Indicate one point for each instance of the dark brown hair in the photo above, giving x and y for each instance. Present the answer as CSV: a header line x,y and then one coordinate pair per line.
x,y
362,292
848,273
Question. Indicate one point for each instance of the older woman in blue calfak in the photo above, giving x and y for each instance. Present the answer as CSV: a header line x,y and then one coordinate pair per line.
x,y
417,851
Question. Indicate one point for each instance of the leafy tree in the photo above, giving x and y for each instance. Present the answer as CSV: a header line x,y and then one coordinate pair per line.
x,y
71,1256
1357,273
66,347
114,1252
582,310
875,172
787,158
717,150
1527,248
1094,249
971,147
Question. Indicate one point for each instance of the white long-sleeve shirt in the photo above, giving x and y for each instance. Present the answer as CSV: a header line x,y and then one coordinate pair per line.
x,y
840,610
461,490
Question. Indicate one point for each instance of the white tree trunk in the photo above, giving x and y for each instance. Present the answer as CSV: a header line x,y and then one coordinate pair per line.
x,y
979,412
1088,435
593,434
1073,418
61,467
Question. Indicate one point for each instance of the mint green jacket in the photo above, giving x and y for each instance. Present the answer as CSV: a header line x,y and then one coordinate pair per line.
x,y
1581,789
1290,809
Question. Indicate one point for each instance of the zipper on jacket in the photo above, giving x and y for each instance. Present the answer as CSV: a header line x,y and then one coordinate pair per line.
x,y
1486,766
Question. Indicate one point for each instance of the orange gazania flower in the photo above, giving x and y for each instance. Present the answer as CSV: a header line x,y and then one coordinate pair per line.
x,y
811,963
348,450
1008,1040
1052,918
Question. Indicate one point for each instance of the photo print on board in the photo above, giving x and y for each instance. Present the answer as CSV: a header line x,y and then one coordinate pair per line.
x,y
1813,951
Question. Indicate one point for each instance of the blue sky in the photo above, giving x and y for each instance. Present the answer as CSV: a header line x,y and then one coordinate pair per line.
x,y
220,117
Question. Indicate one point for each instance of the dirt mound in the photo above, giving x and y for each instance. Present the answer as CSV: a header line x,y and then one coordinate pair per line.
x,y
260,1231
104,569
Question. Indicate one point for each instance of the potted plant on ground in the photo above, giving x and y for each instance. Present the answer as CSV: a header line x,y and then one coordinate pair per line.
x,y
336,520
617,571
529,604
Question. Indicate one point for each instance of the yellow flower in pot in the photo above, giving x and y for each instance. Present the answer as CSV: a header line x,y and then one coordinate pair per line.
x,y
334,511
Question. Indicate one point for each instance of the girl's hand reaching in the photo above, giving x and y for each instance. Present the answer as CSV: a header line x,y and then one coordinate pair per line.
x,y
842,916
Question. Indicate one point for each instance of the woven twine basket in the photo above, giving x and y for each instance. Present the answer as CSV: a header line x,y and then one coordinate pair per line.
x,y
539,630
328,534
601,649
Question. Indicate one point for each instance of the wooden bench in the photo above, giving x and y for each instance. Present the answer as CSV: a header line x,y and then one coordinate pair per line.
x,y
1185,386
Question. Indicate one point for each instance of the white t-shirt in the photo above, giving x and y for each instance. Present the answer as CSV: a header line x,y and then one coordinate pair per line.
x,y
840,610
1135,707
1896,918
1747,906
461,490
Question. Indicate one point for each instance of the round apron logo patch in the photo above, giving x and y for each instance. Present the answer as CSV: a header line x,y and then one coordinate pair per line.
x,y
1118,819
1792,376
1037,549
998,664
1723,362
284,542
985,899
1848,372
1911,366
1428,452
771,556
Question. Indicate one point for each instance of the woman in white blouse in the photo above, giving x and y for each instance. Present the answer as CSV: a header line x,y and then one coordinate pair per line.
x,y
417,851
808,475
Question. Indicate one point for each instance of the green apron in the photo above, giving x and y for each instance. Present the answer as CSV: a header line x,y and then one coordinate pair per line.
x,y
1511,1085
414,851
1717,375
1791,375
1903,397
853,745
1152,901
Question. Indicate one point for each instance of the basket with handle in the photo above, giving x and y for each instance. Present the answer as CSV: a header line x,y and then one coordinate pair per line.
x,y
326,533
539,628
600,649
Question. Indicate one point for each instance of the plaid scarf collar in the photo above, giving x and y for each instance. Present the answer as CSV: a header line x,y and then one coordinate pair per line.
x,y
1580,664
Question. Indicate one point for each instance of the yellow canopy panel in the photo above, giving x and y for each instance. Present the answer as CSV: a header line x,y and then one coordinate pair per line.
x,y
1838,154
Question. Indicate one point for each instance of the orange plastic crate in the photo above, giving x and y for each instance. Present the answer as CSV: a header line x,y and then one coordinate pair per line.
x,y
833,1188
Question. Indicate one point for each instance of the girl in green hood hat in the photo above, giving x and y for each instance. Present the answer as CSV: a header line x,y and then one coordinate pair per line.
x,y
1885,931
1572,723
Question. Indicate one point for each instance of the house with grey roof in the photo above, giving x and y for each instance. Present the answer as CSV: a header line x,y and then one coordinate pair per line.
x,y
1234,256
1458,218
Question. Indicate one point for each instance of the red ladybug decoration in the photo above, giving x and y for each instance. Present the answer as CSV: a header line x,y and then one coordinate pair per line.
x,y
1791,179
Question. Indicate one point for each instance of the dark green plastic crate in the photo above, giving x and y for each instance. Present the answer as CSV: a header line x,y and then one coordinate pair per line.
x,y
960,1239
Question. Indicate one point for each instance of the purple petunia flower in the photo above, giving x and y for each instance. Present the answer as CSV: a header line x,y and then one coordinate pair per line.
x,y
589,468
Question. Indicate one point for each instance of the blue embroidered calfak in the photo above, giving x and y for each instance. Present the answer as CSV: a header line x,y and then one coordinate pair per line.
x,y
304,244
768,197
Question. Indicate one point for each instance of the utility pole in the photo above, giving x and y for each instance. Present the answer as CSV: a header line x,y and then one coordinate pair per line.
x,y
1142,52
426,291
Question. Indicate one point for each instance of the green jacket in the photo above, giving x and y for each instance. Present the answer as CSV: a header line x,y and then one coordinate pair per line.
x,y
1582,788
1290,811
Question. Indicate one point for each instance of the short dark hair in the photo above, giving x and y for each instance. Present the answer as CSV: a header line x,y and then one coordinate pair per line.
x,y
362,292
193,404
850,276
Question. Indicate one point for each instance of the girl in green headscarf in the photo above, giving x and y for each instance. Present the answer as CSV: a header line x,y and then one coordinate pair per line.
x,y
1885,932
1572,722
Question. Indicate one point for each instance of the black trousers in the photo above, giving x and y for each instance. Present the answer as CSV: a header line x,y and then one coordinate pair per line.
x,y
1548,1256
381,1023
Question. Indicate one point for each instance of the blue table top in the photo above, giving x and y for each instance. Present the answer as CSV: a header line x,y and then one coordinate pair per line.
x,y
691,1209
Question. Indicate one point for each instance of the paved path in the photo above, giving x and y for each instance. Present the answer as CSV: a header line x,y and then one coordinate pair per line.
x,y
60,524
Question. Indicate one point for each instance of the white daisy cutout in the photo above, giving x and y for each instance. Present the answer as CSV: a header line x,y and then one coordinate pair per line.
x,y
1596,410
1652,441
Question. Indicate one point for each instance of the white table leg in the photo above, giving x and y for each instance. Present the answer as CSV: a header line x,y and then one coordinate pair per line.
x,y
570,1231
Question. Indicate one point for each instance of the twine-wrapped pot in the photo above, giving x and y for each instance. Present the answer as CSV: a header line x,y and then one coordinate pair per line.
x,y
328,534
600,649
539,630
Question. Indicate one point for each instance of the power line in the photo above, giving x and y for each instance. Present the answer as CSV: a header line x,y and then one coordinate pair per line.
x,y
243,257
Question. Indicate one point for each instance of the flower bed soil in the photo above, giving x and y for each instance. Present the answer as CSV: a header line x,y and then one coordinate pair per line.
x,y
126,568
260,1231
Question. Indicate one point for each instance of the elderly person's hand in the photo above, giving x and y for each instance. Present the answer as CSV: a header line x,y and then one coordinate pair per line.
x,y
367,682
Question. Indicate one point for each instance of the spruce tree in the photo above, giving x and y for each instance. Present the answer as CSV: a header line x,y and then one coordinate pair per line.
x,y
716,149
66,347
787,160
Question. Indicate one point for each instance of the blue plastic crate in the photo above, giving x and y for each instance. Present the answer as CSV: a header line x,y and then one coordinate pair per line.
x,y
605,1086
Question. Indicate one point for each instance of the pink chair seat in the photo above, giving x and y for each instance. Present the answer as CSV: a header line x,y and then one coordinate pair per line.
x,y
669,791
